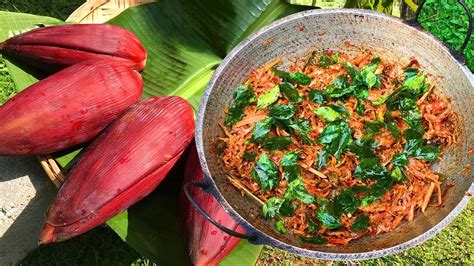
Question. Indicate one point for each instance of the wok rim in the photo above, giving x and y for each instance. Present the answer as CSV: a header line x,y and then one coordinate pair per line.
x,y
267,239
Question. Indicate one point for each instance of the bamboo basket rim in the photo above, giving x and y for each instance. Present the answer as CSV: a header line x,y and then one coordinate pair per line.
x,y
92,11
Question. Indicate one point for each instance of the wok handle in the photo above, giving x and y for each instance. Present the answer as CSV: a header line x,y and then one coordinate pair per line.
x,y
204,187
469,15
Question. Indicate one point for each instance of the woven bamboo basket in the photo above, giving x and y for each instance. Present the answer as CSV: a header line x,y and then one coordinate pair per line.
x,y
92,11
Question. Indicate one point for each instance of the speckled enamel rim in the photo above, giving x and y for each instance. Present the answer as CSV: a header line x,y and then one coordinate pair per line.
x,y
266,239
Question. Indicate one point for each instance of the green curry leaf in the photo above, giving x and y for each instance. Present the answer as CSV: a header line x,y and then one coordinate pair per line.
x,y
317,96
347,202
287,208
328,214
277,143
399,159
289,162
289,91
268,97
360,223
427,153
265,173
302,127
272,207
243,96
316,239
323,157
261,130
370,168
329,114
294,77
297,191
325,61
280,227
337,137
282,112
249,156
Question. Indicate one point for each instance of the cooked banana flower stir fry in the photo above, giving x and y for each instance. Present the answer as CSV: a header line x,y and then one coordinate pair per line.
x,y
338,147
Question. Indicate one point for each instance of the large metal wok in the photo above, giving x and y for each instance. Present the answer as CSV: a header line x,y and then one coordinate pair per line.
x,y
386,36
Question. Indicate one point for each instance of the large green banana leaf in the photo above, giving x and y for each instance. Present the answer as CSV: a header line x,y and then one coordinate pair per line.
x,y
186,40
12,24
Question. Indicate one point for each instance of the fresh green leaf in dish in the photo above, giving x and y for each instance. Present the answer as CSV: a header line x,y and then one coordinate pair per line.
x,y
368,76
336,138
373,127
328,214
364,147
277,143
300,78
370,168
271,208
243,96
411,72
393,128
290,92
265,173
362,80
351,70
234,115
360,223
287,208
326,60
380,100
323,158
405,97
317,96
268,97
427,153
297,191
360,108
289,162
412,146
280,227
329,114
410,133
275,206
316,239
347,202
399,159
249,156
340,109
294,77
282,112
302,127
339,87
411,114
415,148
313,226
397,174
261,130
377,190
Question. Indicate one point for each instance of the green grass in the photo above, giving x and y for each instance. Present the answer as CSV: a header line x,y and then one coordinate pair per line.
x,y
7,87
102,246
52,8
447,20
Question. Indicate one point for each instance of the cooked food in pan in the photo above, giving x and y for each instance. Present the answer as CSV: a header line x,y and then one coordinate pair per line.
x,y
337,147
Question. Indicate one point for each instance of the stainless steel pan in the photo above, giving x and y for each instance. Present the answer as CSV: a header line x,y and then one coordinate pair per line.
x,y
386,36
